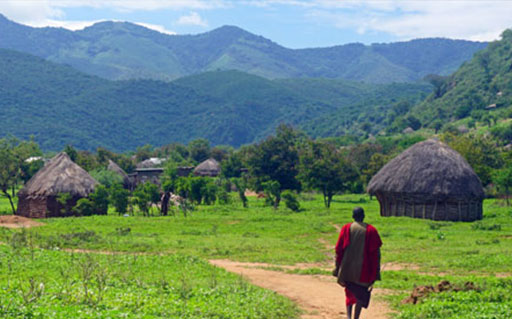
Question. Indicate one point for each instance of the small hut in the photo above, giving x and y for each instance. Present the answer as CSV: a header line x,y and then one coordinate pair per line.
x,y
429,180
38,199
112,166
210,167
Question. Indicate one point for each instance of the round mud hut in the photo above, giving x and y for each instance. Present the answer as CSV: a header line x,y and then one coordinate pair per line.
x,y
210,167
429,180
38,199
113,167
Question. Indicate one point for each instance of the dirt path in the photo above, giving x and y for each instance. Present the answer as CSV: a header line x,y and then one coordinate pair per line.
x,y
14,221
319,296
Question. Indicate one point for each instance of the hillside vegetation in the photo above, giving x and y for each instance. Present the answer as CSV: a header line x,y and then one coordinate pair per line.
x,y
59,106
118,50
481,90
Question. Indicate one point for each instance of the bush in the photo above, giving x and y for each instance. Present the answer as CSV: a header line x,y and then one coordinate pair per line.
x,y
210,193
119,198
99,200
290,200
84,207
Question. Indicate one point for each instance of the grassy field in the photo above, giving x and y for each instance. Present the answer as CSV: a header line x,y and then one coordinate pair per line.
x,y
480,252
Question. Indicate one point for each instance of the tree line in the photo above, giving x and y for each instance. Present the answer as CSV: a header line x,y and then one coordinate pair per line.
x,y
279,167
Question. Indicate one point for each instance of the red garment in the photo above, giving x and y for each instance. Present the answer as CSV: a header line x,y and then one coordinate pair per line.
x,y
371,251
350,299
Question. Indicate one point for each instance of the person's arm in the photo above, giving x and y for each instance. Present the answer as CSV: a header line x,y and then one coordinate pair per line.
x,y
378,265
338,250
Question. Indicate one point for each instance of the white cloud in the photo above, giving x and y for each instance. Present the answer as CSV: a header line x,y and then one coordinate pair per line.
x,y
147,5
474,20
29,11
192,19
156,27
80,25
38,12
70,25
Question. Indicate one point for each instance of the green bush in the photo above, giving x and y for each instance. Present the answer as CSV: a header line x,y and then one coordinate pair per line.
x,y
290,200
99,200
84,207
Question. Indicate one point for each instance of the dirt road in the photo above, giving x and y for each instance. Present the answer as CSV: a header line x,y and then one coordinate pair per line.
x,y
319,296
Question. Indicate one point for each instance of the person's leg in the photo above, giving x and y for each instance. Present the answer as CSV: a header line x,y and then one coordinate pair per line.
x,y
357,311
350,300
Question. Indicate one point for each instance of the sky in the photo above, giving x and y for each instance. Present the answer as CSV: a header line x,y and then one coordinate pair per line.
x,y
291,23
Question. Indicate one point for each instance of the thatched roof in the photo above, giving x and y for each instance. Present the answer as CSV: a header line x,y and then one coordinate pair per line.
x,y
430,168
210,167
112,166
59,175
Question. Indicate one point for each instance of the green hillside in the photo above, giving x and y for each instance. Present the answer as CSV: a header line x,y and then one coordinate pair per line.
x,y
482,85
120,51
59,105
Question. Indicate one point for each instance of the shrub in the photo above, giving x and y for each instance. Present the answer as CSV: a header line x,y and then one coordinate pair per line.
x,y
99,200
290,200
84,207
119,198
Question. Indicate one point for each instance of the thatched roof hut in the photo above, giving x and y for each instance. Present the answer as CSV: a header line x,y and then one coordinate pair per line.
x,y
210,167
429,180
127,181
38,199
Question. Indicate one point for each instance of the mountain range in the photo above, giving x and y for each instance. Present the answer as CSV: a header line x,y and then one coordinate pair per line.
x,y
122,50
59,105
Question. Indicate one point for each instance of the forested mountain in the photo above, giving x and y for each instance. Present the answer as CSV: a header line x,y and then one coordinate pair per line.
x,y
482,85
59,105
119,50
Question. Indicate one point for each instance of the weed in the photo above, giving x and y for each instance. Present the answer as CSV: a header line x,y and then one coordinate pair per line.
x,y
32,292
123,231
481,226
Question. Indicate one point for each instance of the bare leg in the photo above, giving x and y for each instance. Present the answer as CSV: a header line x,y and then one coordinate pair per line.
x,y
357,312
349,312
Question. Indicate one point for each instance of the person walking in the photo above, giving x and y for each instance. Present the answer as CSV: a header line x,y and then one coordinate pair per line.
x,y
357,262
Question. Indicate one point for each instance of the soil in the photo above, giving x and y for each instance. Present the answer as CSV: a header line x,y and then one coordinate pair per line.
x,y
320,297
14,221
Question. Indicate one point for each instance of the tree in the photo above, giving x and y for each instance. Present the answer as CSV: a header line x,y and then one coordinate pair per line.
x,y
84,207
99,200
143,152
323,168
276,159
436,125
272,191
10,168
145,195
71,151
377,161
199,150
119,198
439,83
488,119
241,187
232,166
503,179
107,178
480,152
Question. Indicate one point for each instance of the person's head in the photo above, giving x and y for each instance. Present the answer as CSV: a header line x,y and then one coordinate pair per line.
x,y
358,214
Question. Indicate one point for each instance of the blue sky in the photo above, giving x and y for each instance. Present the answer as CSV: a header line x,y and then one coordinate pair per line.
x,y
291,23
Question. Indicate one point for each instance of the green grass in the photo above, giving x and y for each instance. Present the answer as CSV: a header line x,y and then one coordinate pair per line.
x,y
458,252
39,283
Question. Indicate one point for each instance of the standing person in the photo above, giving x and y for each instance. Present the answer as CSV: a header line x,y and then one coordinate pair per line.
x,y
357,261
